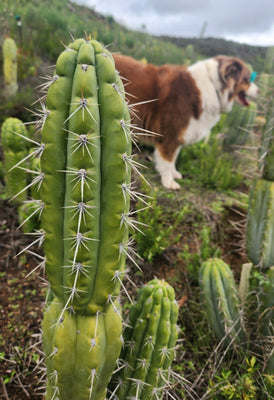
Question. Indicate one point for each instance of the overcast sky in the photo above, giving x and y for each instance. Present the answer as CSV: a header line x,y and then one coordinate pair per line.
x,y
245,21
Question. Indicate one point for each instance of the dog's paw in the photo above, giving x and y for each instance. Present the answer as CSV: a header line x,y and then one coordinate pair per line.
x,y
169,183
177,175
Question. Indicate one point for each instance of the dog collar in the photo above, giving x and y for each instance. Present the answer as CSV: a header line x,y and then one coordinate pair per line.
x,y
253,76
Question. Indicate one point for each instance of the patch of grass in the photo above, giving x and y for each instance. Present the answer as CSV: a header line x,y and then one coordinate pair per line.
x,y
206,250
155,235
208,165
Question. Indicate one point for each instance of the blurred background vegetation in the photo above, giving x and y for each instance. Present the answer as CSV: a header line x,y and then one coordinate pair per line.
x,y
40,29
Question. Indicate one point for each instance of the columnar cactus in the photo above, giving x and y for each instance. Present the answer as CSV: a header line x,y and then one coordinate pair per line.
x,y
260,234
10,67
222,300
267,316
269,61
150,340
238,123
13,133
267,151
84,186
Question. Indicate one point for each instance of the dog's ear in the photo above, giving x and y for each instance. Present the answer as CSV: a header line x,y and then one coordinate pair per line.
x,y
230,67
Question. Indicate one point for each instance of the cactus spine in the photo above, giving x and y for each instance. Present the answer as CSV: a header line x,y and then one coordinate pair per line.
x,y
222,300
14,145
150,340
10,67
85,170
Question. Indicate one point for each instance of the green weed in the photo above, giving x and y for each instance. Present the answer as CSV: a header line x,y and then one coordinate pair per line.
x,y
242,382
206,250
155,235
208,165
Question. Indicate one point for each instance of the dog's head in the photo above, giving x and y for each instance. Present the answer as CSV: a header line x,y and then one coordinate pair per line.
x,y
235,82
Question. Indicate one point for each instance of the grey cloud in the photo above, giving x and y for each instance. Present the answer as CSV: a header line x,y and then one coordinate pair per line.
x,y
185,18
163,7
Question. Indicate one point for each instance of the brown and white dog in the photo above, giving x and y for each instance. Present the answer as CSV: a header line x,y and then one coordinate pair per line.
x,y
188,102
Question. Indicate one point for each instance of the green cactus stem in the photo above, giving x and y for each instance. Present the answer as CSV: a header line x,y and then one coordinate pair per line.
x,y
267,148
85,168
269,60
238,125
260,222
84,179
13,133
221,300
10,67
267,317
150,340
81,352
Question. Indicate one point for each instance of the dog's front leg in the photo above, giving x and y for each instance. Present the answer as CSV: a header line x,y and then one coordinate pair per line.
x,y
165,165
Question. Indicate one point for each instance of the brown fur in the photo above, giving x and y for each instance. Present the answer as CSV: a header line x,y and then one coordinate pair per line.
x,y
177,97
171,111
233,74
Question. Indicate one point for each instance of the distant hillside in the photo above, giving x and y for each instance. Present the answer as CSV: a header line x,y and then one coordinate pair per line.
x,y
210,47
48,26
49,23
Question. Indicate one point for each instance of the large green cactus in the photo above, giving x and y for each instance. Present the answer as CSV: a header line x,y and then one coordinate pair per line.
x,y
85,166
15,149
10,67
222,300
85,173
150,340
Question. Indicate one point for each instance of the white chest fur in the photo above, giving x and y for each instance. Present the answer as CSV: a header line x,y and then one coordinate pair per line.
x,y
206,77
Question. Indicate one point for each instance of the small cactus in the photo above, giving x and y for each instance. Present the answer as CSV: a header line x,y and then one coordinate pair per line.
x,y
10,67
222,300
13,133
150,340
